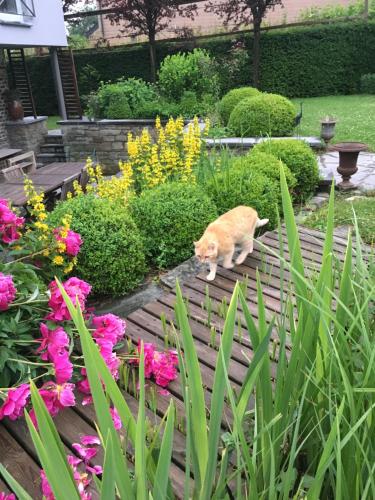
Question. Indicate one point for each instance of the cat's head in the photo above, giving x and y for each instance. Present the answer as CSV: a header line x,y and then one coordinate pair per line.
x,y
206,250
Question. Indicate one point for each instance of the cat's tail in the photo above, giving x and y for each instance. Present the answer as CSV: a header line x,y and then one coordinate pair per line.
x,y
261,222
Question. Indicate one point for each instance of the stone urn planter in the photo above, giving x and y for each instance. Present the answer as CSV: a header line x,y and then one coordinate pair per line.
x,y
327,129
14,104
348,156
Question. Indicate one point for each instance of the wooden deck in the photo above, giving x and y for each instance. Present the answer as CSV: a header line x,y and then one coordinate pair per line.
x,y
16,449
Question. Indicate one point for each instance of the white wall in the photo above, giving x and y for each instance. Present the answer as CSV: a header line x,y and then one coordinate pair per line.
x,y
47,30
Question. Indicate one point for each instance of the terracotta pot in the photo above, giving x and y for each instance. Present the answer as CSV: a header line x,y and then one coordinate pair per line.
x,y
15,110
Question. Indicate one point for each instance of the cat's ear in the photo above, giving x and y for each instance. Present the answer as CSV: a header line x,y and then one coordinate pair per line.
x,y
212,246
195,243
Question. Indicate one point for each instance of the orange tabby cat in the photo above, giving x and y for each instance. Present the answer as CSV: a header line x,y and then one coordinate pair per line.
x,y
219,239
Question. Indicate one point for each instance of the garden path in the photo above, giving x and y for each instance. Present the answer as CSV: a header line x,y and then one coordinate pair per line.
x,y
16,449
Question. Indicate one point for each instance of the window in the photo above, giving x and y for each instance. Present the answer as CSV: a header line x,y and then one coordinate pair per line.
x,y
19,12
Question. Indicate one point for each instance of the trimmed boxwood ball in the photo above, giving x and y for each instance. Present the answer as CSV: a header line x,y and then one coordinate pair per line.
x,y
266,114
239,185
300,159
232,98
268,165
170,218
112,256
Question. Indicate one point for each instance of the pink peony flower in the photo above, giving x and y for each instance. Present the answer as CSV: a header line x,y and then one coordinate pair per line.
x,y
97,469
52,342
63,367
87,453
116,418
7,291
73,241
88,439
55,397
109,327
75,288
46,488
9,223
164,368
82,481
15,402
110,358
7,496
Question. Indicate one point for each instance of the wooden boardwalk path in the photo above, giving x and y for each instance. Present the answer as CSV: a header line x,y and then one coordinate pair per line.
x,y
16,449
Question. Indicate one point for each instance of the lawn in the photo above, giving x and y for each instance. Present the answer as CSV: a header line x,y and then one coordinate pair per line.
x,y
355,115
52,122
364,209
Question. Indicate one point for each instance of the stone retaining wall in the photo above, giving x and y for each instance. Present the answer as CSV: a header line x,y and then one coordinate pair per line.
x,y
27,134
102,140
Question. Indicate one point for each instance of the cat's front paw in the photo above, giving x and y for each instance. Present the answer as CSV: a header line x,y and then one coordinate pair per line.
x,y
228,265
210,277
240,260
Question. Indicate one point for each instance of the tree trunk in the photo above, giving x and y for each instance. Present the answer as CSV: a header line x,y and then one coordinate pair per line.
x,y
152,44
256,53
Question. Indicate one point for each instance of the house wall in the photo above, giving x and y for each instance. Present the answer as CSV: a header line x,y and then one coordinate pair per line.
x,y
206,22
3,106
47,29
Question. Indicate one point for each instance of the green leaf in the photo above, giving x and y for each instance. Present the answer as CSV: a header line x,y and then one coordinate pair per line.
x,y
165,456
14,485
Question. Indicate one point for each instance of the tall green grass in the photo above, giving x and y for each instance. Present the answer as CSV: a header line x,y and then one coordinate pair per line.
x,y
308,433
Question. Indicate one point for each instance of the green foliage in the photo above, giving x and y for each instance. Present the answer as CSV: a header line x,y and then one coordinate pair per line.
x,y
325,351
306,61
194,71
77,42
300,159
354,114
238,185
333,11
266,114
266,164
232,98
368,83
124,99
170,217
111,244
364,209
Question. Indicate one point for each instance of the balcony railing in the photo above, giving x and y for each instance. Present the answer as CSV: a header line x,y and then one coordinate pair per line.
x,y
18,12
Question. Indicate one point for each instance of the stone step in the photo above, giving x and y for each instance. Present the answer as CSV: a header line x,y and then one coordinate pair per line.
x,y
52,148
46,158
54,138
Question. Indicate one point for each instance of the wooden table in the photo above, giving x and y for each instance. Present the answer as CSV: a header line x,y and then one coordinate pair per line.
x,y
45,180
8,153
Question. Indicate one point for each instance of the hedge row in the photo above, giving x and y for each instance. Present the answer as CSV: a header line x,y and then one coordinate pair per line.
x,y
296,62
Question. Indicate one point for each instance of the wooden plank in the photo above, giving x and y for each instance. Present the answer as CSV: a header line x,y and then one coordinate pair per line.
x,y
19,463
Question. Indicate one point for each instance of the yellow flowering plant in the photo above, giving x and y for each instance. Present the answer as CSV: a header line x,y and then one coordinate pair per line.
x,y
53,249
172,155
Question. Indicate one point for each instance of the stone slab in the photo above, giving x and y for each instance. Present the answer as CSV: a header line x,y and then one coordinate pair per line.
x,y
364,179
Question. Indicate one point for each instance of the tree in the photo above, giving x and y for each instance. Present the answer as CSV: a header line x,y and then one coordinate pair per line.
x,y
147,17
242,12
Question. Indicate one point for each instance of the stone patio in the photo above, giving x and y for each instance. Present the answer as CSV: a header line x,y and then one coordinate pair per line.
x,y
364,179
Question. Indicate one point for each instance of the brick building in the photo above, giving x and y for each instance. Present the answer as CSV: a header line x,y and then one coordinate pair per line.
x,y
206,23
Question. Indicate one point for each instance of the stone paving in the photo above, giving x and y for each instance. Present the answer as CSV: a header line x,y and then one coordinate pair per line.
x,y
364,179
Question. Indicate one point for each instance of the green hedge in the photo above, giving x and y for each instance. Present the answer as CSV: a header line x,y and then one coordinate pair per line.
x,y
296,62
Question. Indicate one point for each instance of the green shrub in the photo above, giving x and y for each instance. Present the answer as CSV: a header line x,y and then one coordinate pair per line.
x,y
300,159
194,71
368,83
123,99
112,257
266,114
266,164
232,98
170,218
239,185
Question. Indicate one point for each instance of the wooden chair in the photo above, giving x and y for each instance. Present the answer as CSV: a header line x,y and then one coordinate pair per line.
x,y
19,165
67,187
